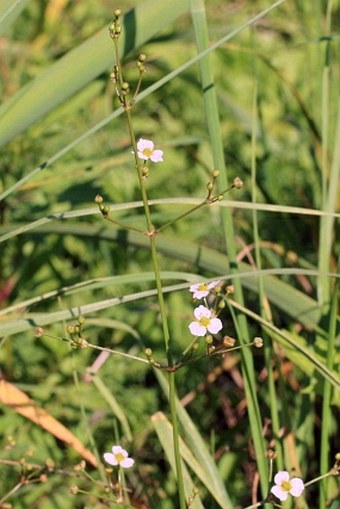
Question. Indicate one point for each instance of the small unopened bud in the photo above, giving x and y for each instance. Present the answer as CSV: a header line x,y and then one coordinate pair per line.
x,y
210,186
230,289
38,332
49,463
221,304
271,454
229,341
145,171
125,87
117,13
74,489
238,183
258,342
98,198
215,174
105,209
81,343
80,466
81,320
71,329
208,339
148,352
220,197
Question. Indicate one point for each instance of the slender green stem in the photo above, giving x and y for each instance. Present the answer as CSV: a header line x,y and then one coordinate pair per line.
x,y
326,404
151,233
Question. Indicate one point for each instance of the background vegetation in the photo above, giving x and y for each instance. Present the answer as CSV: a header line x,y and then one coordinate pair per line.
x,y
63,142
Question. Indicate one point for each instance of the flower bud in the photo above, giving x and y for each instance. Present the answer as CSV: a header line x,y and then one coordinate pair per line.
x,y
229,341
258,342
230,289
238,183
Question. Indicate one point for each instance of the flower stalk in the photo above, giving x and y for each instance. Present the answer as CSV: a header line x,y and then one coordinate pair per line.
x,y
122,90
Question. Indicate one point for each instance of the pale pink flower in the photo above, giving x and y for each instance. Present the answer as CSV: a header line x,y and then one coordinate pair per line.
x,y
284,486
118,457
201,290
205,322
146,151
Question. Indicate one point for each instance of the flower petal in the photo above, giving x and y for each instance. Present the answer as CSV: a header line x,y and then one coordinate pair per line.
x,y
117,449
143,144
215,325
297,487
110,459
202,312
279,493
127,463
281,477
157,156
197,329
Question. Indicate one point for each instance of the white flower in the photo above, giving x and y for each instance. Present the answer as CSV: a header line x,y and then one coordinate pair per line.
x,y
285,486
205,322
201,290
119,456
146,151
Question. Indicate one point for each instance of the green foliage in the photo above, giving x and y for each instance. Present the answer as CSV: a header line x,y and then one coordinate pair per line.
x,y
65,140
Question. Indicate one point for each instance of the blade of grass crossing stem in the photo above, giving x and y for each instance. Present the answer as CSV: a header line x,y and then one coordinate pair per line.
x,y
263,301
326,403
165,435
198,447
211,108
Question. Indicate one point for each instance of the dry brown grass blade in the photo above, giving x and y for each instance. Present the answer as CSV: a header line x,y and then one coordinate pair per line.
x,y
23,405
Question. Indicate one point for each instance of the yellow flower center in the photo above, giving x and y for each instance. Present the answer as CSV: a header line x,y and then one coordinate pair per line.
x,y
120,457
204,321
286,485
202,287
148,152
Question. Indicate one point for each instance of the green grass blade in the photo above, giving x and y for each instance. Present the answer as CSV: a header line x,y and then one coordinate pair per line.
x,y
82,64
213,123
9,11
326,418
165,435
288,299
113,404
199,450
